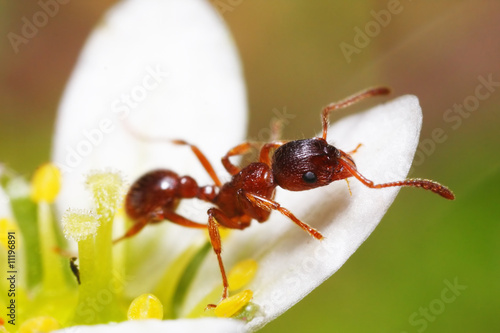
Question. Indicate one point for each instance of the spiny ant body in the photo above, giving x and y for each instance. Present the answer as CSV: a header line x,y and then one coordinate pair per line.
x,y
295,166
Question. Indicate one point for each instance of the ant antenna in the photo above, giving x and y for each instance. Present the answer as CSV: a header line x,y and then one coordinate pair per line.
x,y
413,182
348,101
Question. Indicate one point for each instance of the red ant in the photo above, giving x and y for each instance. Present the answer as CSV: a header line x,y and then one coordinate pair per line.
x,y
295,166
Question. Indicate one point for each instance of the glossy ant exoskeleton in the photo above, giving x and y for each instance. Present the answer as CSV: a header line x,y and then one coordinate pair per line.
x,y
295,166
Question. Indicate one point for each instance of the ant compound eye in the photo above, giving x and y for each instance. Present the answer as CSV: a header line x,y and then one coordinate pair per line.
x,y
309,177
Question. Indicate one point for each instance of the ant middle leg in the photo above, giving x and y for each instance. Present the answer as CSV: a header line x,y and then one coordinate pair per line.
x,y
216,218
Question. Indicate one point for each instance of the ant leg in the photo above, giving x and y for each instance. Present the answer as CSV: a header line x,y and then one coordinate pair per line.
x,y
216,218
355,149
181,220
268,204
203,160
201,157
243,148
415,182
134,229
266,149
240,149
159,217
213,232
276,130
348,101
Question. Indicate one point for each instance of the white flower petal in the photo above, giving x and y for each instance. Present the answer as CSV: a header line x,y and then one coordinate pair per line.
x,y
206,325
5,210
176,62
291,263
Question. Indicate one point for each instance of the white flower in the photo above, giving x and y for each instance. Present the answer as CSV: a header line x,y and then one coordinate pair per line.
x,y
168,69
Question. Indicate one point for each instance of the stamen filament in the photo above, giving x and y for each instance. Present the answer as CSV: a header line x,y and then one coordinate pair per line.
x,y
53,277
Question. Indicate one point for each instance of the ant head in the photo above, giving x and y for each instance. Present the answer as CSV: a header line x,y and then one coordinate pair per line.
x,y
306,164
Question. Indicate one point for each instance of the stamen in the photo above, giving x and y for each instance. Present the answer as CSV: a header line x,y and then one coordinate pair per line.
x,y
232,305
95,252
146,306
46,183
79,225
45,186
107,190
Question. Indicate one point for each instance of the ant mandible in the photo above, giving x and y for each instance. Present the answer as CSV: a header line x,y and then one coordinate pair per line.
x,y
295,166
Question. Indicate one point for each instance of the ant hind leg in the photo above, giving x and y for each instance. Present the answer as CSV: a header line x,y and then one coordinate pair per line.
x,y
164,216
201,157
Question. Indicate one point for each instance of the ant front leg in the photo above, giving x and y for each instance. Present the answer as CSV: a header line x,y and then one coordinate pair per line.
x,y
240,149
269,204
265,156
355,150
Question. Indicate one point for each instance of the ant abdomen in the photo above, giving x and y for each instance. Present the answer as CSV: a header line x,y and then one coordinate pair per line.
x,y
156,191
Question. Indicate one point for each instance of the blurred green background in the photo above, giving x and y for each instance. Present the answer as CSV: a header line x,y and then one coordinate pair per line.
x,y
293,59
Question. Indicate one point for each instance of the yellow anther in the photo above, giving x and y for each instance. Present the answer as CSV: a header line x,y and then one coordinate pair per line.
x,y
39,325
78,225
146,306
46,183
110,183
6,226
241,274
232,305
